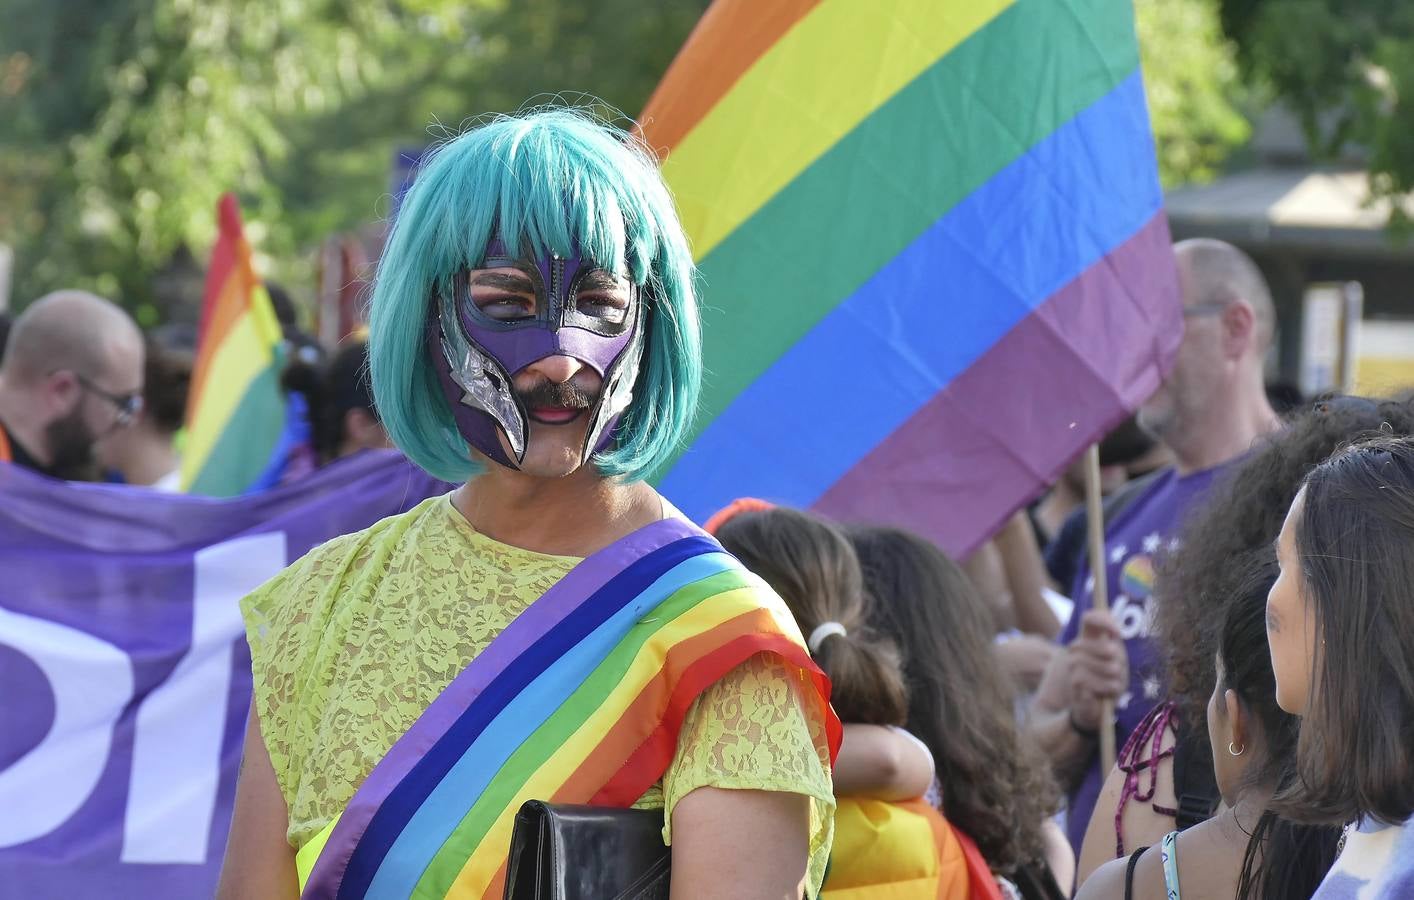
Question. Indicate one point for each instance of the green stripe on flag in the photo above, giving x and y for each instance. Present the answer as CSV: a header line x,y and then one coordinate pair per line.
x,y
1023,75
243,450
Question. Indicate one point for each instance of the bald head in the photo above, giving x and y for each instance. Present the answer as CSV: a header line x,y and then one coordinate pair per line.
x,y
77,331
1217,274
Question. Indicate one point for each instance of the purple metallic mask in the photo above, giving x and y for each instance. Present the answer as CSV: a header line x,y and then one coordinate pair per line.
x,y
478,350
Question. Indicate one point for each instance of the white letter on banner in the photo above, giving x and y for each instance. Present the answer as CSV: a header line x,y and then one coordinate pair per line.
x,y
177,749
92,681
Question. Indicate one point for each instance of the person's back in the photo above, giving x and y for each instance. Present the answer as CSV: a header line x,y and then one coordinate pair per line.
x,y
992,783
343,417
1244,850
884,842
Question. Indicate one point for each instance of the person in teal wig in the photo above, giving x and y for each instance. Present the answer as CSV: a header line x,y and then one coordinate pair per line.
x,y
533,338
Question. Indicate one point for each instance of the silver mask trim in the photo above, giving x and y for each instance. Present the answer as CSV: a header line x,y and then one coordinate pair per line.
x,y
477,374
617,393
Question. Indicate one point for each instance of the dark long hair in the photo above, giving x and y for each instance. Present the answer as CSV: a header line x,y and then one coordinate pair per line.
x,y
996,787
1241,515
1355,540
332,388
1283,858
811,565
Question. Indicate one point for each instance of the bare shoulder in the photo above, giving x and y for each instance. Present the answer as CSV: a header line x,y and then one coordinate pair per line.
x,y
1140,824
1107,882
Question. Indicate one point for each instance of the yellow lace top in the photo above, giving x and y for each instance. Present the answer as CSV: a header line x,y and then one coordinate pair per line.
x,y
350,644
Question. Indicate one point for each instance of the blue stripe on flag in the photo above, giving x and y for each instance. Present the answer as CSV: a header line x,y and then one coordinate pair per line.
x,y
930,312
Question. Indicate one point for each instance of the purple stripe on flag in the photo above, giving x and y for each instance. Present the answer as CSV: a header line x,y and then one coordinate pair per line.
x,y
1063,364
559,601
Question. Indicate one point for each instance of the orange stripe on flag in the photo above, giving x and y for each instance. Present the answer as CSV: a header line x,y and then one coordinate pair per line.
x,y
231,302
728,40
229,283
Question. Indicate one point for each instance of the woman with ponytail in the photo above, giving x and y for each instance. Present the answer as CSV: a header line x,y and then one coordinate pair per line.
x,y
889,842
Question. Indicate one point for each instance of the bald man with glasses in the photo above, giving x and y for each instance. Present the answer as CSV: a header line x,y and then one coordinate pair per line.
x,y
71,375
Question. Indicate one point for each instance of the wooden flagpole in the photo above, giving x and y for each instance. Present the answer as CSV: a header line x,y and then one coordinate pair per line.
x,y
1100,597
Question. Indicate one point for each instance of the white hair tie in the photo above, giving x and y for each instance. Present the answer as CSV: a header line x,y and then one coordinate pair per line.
x,y
822,631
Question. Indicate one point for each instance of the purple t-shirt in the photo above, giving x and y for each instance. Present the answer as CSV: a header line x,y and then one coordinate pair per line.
x,y
1142,531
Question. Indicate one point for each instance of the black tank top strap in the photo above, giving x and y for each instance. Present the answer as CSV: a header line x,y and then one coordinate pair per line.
x,y
1129,873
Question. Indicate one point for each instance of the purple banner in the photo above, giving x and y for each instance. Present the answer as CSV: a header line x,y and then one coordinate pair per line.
x,y
124,673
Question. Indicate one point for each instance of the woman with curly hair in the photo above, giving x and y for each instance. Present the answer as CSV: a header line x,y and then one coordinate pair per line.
x,y
1164,778
993,784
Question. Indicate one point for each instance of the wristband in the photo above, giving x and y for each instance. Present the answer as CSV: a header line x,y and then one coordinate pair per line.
x,y
1090,734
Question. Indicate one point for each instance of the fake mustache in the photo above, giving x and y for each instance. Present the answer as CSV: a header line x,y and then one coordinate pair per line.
x,y
548,394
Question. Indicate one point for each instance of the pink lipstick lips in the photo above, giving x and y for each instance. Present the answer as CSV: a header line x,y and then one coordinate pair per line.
x,y
555,415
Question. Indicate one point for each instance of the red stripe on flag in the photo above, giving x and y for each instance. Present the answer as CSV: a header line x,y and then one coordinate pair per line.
x,y
223,259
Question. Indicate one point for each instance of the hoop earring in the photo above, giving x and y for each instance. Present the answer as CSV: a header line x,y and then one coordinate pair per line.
x,y
1238,752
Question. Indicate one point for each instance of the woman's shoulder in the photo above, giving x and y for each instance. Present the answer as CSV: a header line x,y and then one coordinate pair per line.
x,y
1143,869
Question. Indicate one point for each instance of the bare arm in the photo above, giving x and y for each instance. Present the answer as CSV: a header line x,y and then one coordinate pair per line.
x,y
879,762
1025,658
740,845
1059,857
1026,577
1139,823
259,863
984,569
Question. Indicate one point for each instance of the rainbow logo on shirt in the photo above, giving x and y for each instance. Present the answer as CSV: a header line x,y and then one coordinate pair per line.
x,y
1136,578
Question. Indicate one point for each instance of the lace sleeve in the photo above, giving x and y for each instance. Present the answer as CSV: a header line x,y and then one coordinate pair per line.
x,y
753,730
275,632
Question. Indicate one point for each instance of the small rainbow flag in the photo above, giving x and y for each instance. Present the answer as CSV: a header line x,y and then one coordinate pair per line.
x,y
236,411
934,258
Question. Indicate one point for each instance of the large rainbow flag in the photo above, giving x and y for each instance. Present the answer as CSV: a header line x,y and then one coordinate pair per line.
x,y
934,257
236,410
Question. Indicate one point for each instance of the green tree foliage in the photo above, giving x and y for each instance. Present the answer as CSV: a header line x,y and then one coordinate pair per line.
x,y
1345,67
121,123
1192,82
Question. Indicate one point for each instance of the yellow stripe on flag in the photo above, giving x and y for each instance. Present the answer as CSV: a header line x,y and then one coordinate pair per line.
x,y
814,86
243,355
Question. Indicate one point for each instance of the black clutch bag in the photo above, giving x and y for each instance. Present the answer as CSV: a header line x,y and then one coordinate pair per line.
x,y
587,853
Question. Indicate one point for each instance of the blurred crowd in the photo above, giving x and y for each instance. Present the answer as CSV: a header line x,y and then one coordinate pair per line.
x,y
86,395
1252,658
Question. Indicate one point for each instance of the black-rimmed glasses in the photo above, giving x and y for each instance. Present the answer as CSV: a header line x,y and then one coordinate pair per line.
x,y
127,405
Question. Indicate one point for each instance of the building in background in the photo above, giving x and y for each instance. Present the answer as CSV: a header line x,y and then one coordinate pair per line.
x,y
1312,230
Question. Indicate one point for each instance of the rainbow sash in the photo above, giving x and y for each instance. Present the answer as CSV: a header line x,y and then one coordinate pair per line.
x,y
903,851
579,700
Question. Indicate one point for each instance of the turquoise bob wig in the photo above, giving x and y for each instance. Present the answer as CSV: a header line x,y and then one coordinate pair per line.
x,y
546,181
